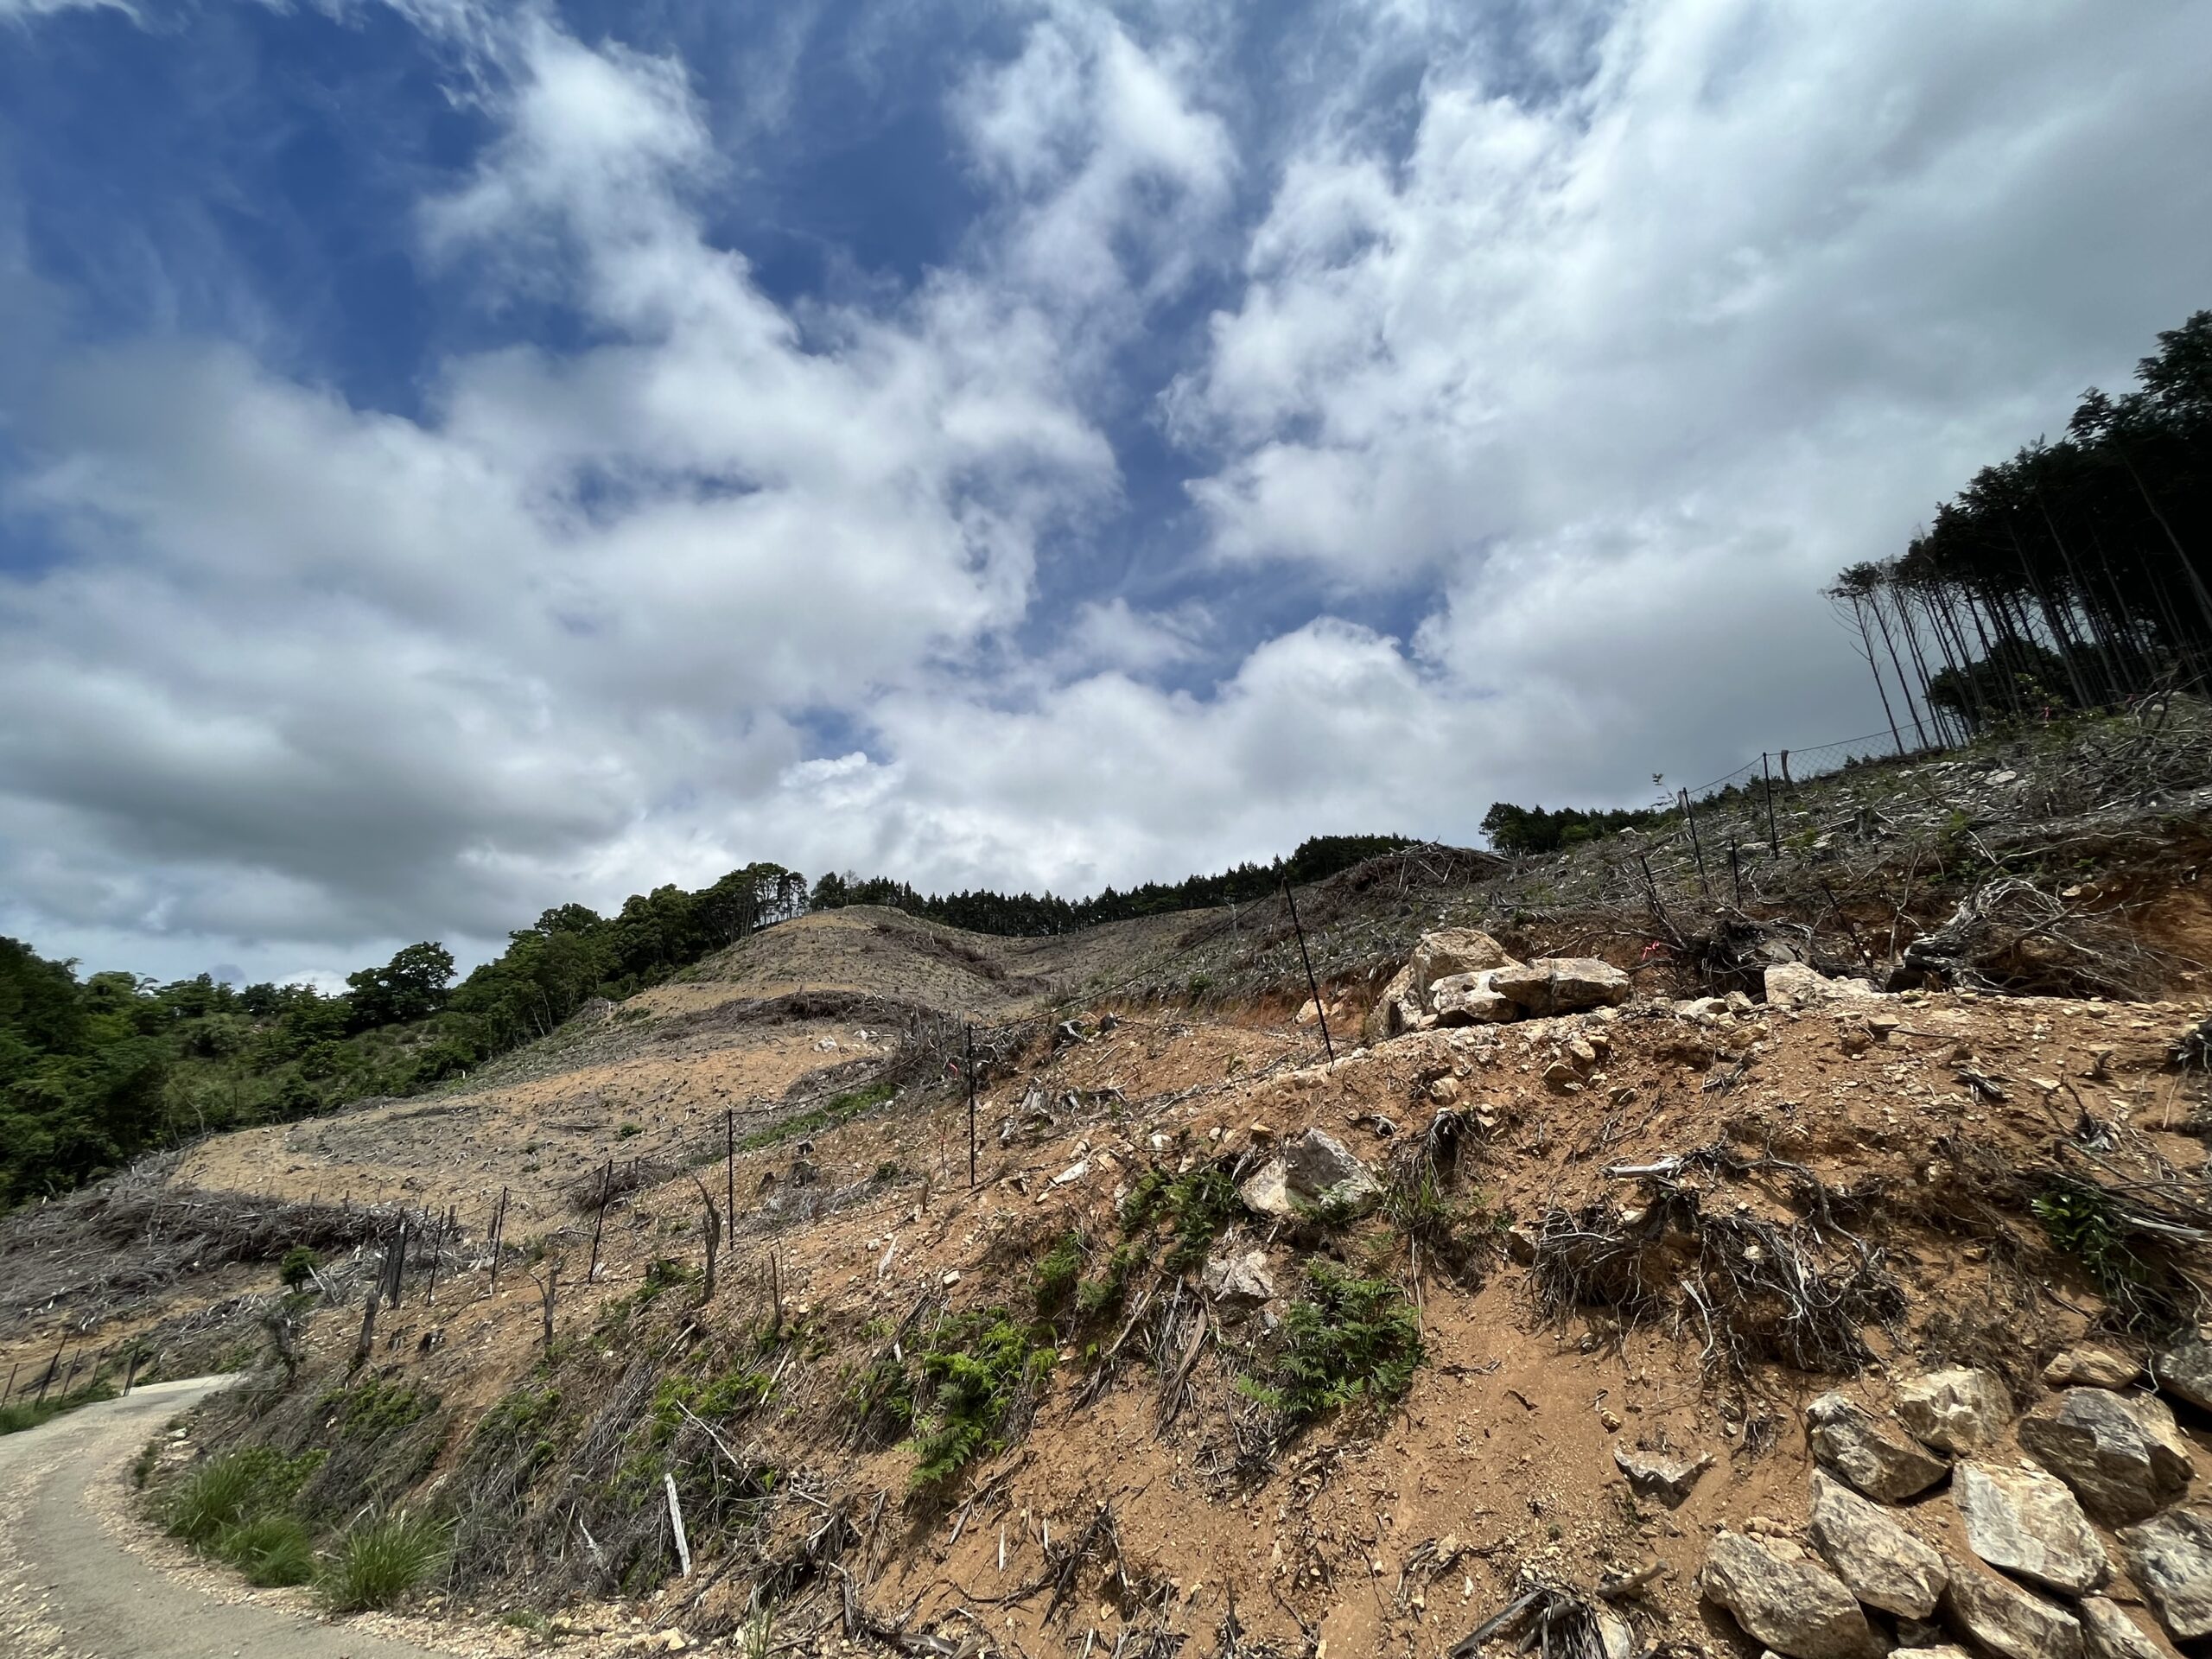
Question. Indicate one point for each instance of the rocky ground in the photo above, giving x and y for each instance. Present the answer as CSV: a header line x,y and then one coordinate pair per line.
x,y
1595,1297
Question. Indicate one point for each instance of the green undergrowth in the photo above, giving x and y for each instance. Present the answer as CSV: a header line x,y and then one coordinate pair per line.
x,y
1349,1342
1197,1207
961,1390
839,1108
29,1414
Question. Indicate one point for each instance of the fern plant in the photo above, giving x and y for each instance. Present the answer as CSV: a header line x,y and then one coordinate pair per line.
x,y
980,1368
1350,1341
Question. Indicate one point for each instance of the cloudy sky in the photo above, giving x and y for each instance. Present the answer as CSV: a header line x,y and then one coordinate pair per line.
x,y
457,458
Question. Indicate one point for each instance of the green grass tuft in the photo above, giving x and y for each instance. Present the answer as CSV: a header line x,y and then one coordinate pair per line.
x,y
228,1491
270,1550
380,1559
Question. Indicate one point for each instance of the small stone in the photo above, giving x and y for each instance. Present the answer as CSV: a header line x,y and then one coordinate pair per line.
x,y
1885,1467
1877,1560
1956,1410
2170,1556
2029,1524
1238,1282
1794,1607
1664,1480
2093,1367
2007,1621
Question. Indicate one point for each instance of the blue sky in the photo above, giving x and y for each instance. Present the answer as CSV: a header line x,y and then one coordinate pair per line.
x,y
457,458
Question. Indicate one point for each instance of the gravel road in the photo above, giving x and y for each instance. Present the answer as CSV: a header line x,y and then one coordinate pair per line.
x,y
70,1590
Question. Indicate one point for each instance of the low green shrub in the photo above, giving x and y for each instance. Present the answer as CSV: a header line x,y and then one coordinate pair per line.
x,y
298,1267
979,1370
380,1559
1349,1341
1058,1273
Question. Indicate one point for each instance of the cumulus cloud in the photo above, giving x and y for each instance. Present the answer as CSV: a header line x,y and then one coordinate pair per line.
x,y
1568,348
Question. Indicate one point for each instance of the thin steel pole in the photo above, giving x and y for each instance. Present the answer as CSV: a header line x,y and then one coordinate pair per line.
x,y
1773,835
1312,984
971,1104
729,1164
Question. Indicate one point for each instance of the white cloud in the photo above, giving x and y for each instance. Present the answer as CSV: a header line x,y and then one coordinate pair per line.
x,y
1585,368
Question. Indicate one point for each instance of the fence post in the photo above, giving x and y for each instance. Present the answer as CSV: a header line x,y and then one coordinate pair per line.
x,y
499,1231
1773,836
1696,847
729,1167
1735,872
971,1105
599,1221
1312,984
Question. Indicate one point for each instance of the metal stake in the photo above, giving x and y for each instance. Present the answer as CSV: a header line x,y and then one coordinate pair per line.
x,y
1312,984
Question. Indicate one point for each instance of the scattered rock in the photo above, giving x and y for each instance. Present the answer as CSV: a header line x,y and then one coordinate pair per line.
x,y
1238,1281
1315,1171
1885,1467
2007,1621
2108,1631
1794,1607
2185,1368
2093,1367
2029,1524
1563,984
1453,950
2123,1457
1792,984
2171,1557
1664,1480
1879,1561
1956,1410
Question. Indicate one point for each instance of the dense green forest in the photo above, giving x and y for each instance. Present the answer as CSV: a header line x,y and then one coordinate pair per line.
x,y
2075,575
1023,914
93,1072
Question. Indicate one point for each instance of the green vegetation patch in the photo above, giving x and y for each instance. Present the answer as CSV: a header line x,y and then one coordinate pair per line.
x,y
229,1492
1349,1341
840,1109
370,1411
29,1414
979,1374
380,1559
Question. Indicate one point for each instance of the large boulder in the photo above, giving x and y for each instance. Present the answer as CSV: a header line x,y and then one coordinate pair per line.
x,y
1453,950
1467,1000
2124,1457
2170,1556
1563,984
1397,1011
1956,1410
1795,1607
1877,1560
2109,1631
2003,1619
2028,1523
1886,1466
1314,1172
2185,1368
